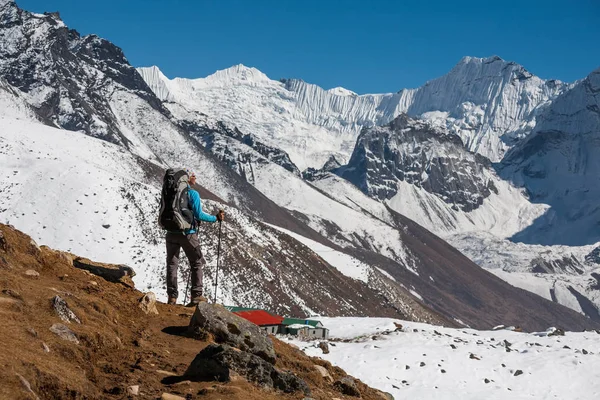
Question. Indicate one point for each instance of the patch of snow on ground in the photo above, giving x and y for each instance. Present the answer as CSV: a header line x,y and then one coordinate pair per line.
x,y
429,362
344,263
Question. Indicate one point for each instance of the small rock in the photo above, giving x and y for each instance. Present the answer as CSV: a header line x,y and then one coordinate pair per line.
x,y
65,257
93,283
27,386
167,373
32,332
453,346
407,367
168,396
32,273
324,373
566,347
133,390
556,332
148,303
63,310
422,364
584,351
325,347
12,293
398,327
3,243
45,347
385,395
64,333
486,380
474,357
347,386
443,371
34,248
518,372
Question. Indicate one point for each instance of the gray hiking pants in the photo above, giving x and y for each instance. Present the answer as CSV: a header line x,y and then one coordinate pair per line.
x,y
191,247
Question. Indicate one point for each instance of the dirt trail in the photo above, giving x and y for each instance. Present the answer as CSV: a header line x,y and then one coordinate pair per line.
x,y
118,344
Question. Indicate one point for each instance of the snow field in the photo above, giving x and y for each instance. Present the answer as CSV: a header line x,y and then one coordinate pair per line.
x,y
429,362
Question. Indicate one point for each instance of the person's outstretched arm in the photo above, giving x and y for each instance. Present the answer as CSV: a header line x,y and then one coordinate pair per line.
x,y
196,204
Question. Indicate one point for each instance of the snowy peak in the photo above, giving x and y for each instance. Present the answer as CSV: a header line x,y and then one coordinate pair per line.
x,y
340,91
490,103
238,74
157,81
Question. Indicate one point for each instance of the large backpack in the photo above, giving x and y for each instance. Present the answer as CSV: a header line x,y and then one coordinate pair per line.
x,y
175,213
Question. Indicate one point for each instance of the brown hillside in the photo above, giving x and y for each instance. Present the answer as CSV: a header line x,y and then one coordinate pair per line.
x,y
118,344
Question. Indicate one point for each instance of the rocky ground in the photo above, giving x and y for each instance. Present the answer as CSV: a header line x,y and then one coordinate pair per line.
x,y
76,329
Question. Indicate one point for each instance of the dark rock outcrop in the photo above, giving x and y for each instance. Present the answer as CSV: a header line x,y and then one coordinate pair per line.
x,y
112,273
347,386
228,328
413,151
219,362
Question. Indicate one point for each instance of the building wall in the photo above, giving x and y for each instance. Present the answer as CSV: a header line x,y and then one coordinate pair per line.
x,y
270,329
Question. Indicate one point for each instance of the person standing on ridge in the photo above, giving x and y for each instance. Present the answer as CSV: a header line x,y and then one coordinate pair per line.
x,y
181,209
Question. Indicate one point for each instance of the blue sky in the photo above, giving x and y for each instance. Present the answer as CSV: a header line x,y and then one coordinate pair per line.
x,y
366,46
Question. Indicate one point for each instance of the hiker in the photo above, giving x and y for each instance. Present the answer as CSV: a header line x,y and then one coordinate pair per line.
x,y
181,209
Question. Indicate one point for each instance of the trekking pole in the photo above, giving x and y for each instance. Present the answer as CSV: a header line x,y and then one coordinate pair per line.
x,y
217,273
187,287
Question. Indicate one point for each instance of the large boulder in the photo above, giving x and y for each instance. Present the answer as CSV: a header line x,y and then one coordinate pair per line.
x,y
220,362
230,329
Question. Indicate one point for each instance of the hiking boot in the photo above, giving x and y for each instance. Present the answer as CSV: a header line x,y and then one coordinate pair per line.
x,y
195,300
172,300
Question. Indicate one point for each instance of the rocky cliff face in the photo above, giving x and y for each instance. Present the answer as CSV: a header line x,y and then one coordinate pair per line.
x,y
68,78
412,151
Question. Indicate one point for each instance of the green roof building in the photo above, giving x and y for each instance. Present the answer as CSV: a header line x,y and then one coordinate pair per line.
x,y
298,321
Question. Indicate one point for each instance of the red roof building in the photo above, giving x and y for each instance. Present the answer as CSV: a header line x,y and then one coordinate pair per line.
x,y
260,317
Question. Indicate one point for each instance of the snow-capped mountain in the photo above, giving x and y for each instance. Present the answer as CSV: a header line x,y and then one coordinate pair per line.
x,y
85,84
104,205
426,173
488,102
559,165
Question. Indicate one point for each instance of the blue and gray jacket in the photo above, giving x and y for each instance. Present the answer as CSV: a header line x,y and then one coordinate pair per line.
x,y
196,207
